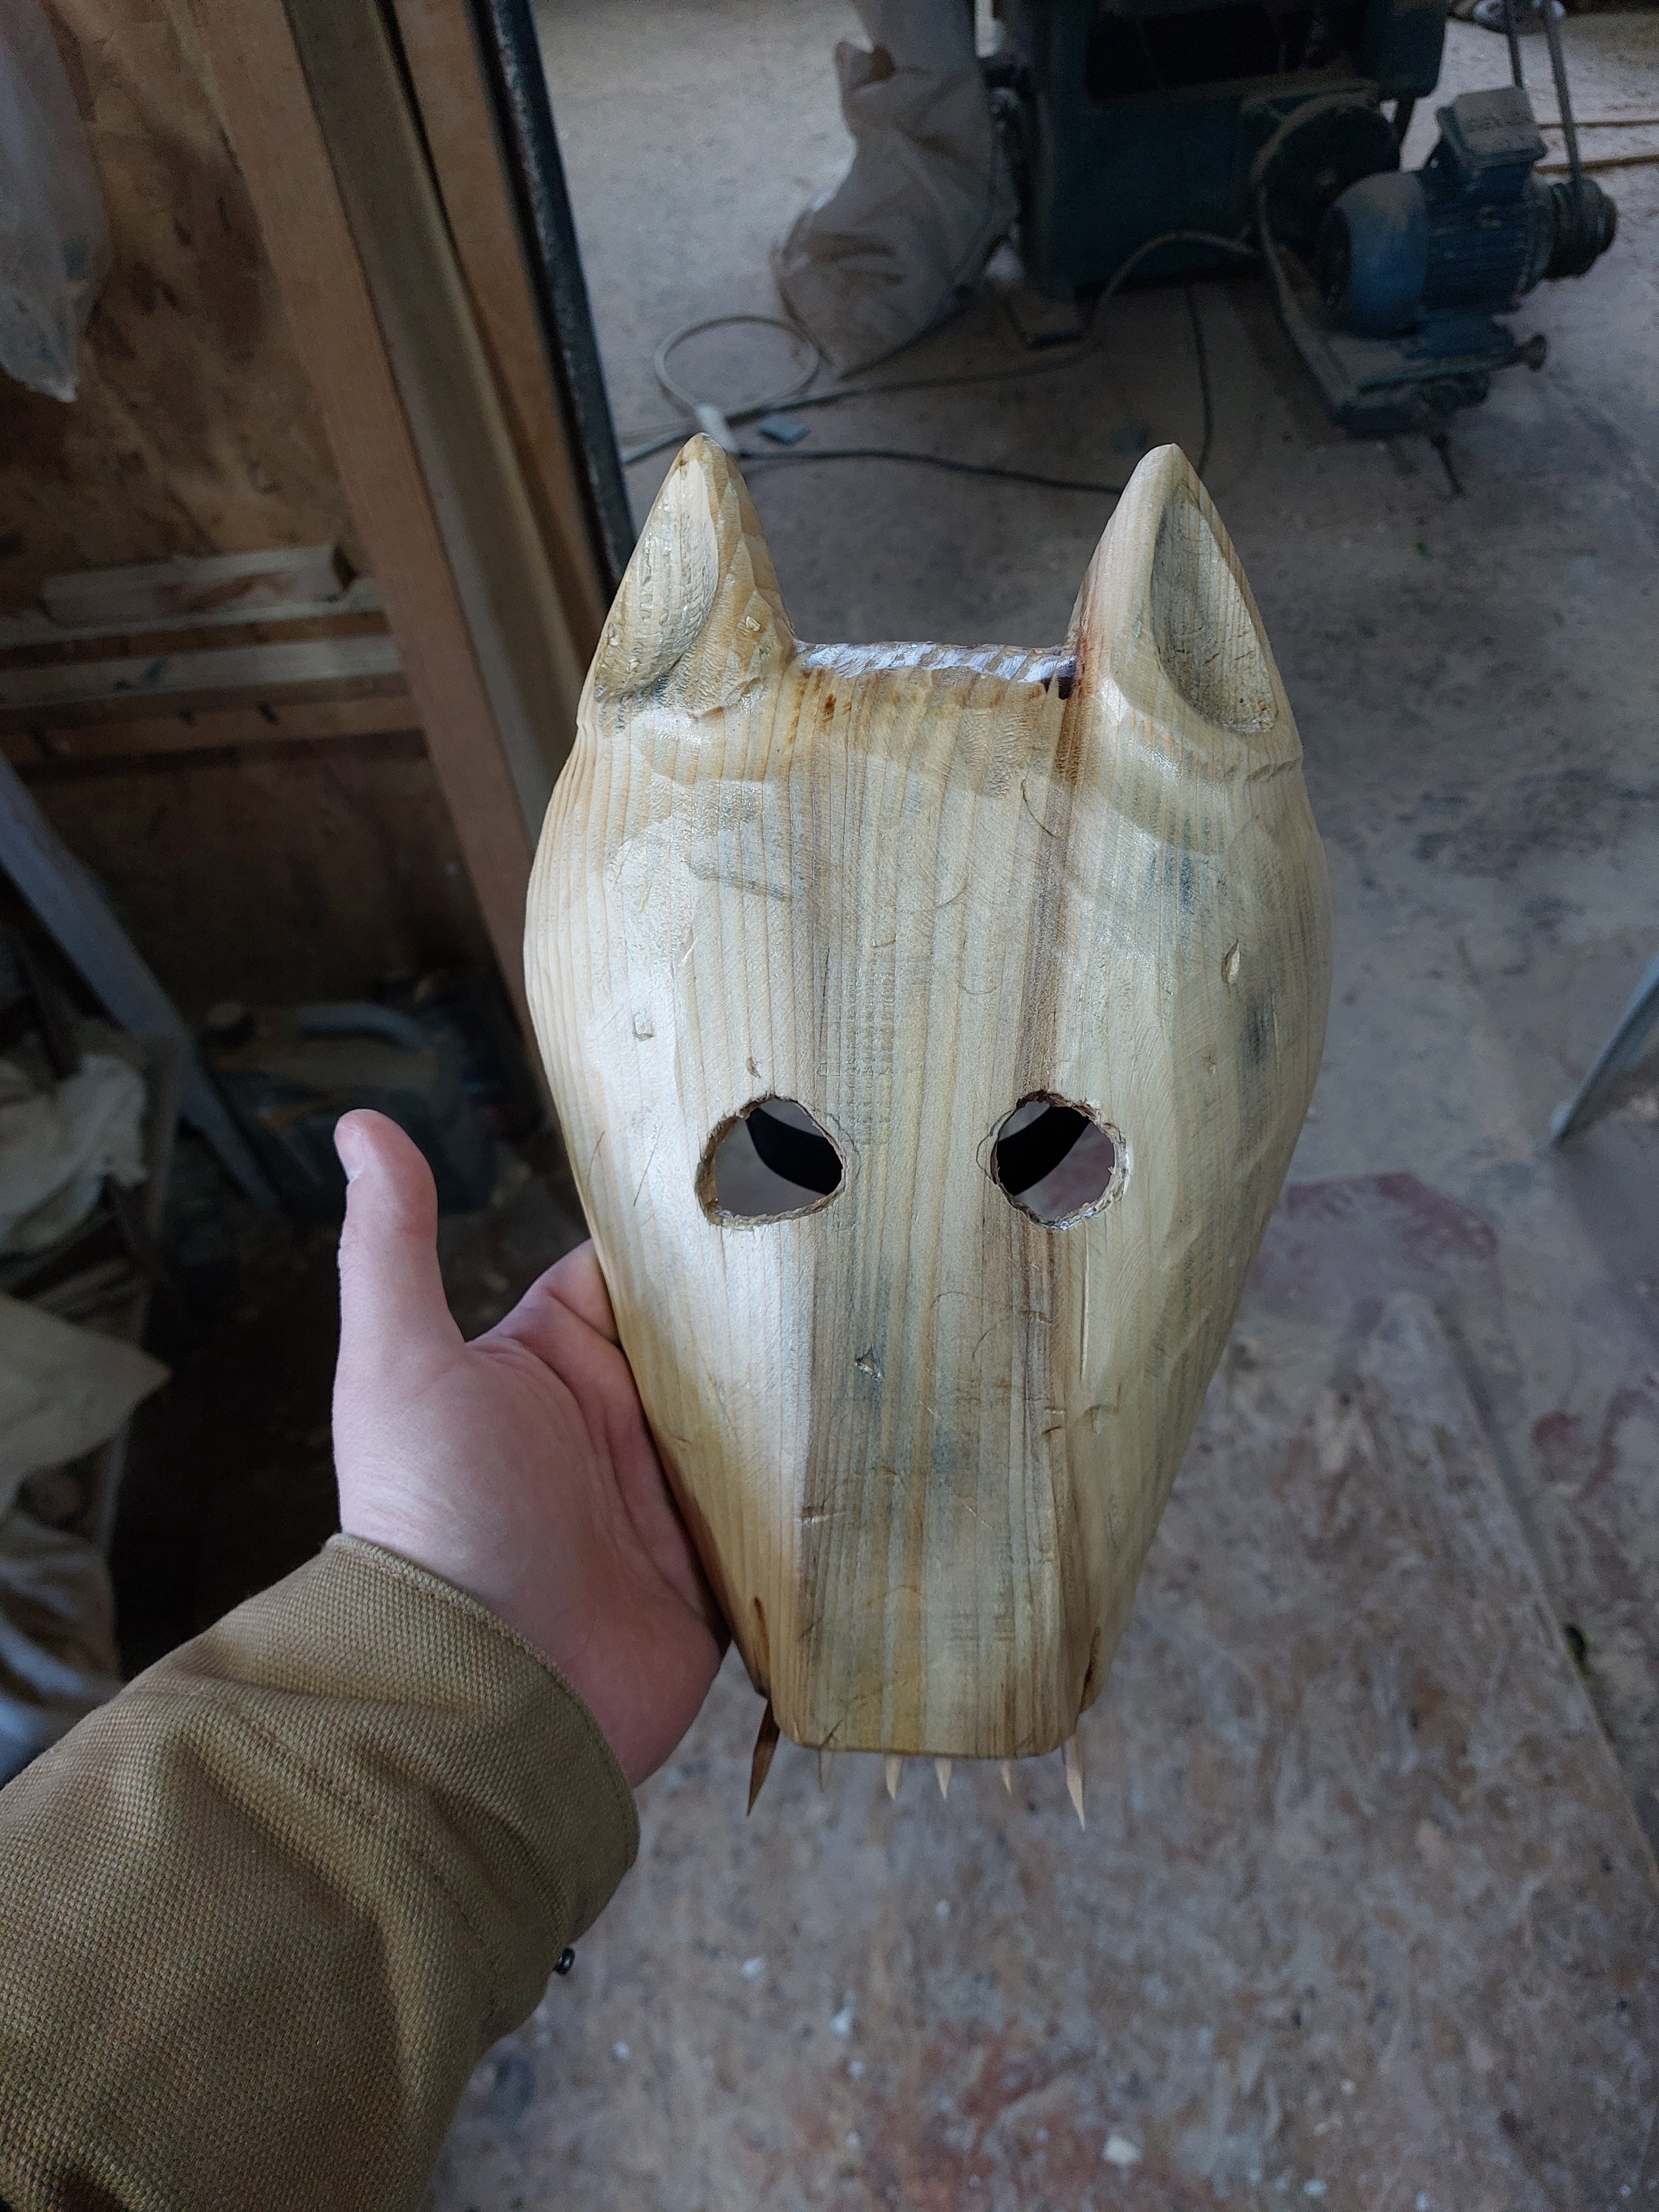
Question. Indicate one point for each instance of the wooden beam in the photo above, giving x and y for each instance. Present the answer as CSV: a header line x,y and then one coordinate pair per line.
x,y
511,57
223,586
463,137
222,669
266,105
111,731
530,665
20,632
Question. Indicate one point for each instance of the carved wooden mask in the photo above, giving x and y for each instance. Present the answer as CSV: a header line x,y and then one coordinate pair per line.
x,y
931,1029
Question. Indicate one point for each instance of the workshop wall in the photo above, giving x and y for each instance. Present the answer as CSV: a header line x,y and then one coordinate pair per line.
x,y
195,430
328,866
282,869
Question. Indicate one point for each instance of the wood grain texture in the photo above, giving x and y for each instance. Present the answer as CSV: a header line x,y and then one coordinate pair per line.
x,y
215,671
924,1439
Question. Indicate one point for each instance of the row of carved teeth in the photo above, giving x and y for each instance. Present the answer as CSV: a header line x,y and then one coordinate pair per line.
x,y
766,1743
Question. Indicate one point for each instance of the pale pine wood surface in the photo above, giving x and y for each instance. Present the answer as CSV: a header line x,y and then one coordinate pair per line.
x,y
923,1438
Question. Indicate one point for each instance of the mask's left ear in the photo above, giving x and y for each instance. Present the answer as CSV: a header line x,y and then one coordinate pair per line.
x,y
698,618
1166,620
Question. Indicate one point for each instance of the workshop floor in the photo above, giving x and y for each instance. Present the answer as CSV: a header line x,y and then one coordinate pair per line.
x,y
1361,1909
1475,679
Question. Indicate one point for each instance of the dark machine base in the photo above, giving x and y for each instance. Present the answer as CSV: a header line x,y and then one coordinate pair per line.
x,y
1382,387
1133,125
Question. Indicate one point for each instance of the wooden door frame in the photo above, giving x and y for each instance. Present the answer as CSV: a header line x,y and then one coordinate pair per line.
x,y
495,524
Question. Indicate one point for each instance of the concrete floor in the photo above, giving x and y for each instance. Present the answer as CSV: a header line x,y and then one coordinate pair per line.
x,y
1474,679
1362,1911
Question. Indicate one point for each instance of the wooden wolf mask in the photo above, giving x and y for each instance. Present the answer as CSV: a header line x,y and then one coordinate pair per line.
x,y
931,1028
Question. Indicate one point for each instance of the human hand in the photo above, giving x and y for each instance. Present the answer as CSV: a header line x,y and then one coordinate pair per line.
x,y
518,1467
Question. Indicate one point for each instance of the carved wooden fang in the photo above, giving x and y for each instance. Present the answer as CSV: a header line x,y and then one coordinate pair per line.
x,y
1006,1766
942,1769
1072,1755
765,1742
895,1769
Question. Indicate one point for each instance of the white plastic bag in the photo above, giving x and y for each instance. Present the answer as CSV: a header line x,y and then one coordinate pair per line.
x,y
54,240
886,254
57,1146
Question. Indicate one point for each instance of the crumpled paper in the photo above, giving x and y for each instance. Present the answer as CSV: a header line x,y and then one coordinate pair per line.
x,y
886,255
57,1146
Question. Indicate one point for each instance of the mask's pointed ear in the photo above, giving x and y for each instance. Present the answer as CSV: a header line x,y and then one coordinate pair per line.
x,y
1167,620
698,618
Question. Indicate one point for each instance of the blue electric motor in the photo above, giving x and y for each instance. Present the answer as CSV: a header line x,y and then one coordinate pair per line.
x,y
1472,231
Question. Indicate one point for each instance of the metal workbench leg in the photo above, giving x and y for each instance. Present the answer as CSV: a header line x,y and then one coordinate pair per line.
x,y
71,904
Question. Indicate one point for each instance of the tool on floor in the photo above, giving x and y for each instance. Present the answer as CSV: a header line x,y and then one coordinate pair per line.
x,y
1412,268
1127,120
1638,1027
1148,139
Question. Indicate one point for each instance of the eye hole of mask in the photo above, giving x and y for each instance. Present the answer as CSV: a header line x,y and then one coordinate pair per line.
x,y
770,1162
1056,1162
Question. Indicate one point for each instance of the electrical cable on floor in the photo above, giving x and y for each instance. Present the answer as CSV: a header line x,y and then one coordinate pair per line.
x,y
799,398
793,331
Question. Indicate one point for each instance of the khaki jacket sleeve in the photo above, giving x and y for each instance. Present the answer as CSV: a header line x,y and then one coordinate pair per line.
x,y
260,1916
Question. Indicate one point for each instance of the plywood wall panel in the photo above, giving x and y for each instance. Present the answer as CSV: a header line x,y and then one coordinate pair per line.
x,y
346,867
196,430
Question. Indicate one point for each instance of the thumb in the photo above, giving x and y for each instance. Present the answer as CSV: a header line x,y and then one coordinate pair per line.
x,y
392,1308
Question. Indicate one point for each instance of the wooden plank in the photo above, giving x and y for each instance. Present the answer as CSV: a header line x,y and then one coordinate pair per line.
x,y
27,739
224,668
512,52
362,596
266,104
463,138
530,665
155,592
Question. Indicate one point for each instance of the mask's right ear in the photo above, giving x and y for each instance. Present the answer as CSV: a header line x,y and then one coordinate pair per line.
x,y
698,618
1166,621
